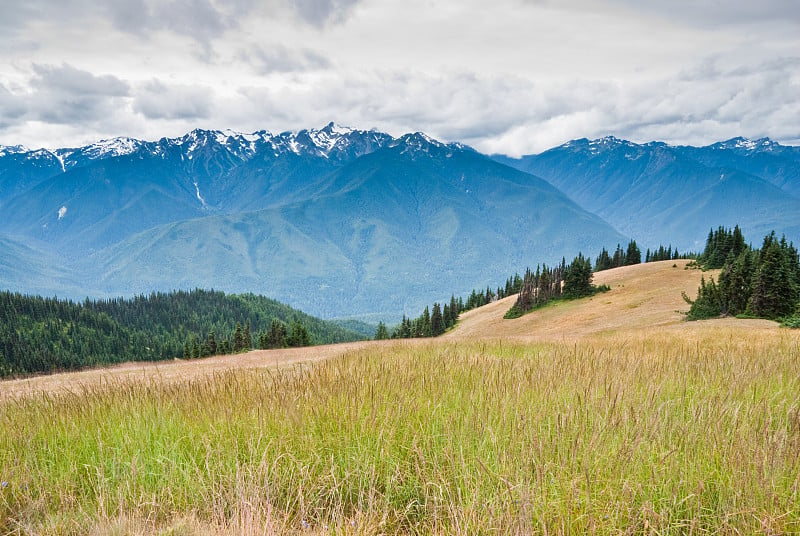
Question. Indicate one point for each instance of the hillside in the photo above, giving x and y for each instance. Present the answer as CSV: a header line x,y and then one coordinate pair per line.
x,y
605,413
644,302
643,298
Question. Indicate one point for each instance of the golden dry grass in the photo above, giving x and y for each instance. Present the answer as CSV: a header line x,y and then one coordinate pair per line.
x,y
643,298
607,415
177,370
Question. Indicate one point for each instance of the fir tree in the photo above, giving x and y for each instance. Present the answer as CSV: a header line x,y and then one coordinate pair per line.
x,y
603,261
238,338
437,323
381,333
633,255
578,278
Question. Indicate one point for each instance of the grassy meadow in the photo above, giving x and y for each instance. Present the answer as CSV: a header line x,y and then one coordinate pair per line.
x,y
652,433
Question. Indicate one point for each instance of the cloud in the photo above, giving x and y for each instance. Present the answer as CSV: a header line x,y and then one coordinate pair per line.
x,y
713,13
321,12
201,20
12,108
65,94
512,76
279,59
154,100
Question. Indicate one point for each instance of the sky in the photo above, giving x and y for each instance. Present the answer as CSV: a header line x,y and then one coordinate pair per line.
x,y
504,76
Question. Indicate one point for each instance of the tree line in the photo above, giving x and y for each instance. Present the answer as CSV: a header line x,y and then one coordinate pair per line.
x,y
763,283
534,290
48,334
566,281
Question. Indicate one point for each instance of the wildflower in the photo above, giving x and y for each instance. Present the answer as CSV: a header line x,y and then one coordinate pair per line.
x,y
305,524
3,484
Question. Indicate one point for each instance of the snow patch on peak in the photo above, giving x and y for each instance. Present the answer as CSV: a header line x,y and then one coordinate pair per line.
x,y
418,142
112,147
328,137
747,145
337,129
608,141
13,149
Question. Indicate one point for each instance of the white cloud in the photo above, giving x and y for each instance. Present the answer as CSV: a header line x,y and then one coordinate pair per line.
x,y
155,100
512,76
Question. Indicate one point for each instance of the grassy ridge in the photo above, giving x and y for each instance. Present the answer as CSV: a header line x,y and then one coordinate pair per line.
x,y
612,435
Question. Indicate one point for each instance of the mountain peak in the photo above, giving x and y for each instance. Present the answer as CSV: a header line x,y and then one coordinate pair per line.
x,y
745,144
13,149
418,141
610,141
107,148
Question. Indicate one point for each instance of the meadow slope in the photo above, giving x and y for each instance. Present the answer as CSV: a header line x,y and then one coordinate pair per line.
x,y
607,415
644,299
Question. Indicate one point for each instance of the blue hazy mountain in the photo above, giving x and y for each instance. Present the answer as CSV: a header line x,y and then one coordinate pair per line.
x,y
773,162
665,194
98,195
384,234
344,222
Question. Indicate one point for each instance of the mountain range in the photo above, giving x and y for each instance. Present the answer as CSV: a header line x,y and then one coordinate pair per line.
x,y
342,222
662,194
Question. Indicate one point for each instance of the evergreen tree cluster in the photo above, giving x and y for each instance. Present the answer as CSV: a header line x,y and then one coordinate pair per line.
x,y
428,324
621,257
721,246
547,284
761,282
47,334
665,254
432,324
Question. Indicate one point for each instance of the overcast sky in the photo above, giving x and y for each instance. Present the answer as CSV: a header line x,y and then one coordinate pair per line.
x,y
508,76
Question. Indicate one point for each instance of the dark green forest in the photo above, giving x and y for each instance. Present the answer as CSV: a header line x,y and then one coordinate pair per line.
x,y
47,334
761,283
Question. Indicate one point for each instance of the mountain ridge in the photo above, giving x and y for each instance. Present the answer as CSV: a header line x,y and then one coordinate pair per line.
x,y
659,192
278,213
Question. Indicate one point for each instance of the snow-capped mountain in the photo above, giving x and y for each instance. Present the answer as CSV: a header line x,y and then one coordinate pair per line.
x,y
340,221
333,142
335,220
663,194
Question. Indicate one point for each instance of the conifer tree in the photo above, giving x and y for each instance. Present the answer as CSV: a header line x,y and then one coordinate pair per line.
x,y
437,323
425,328
276,337
633,255
381,333
238,338
298,335
247,338
578,278
211,343
774,287
603,261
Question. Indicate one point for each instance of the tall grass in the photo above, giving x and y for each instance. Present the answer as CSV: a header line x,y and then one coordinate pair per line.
x,y
616,435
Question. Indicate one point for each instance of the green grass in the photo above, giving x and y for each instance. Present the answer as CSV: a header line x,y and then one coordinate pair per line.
x,y
614,436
